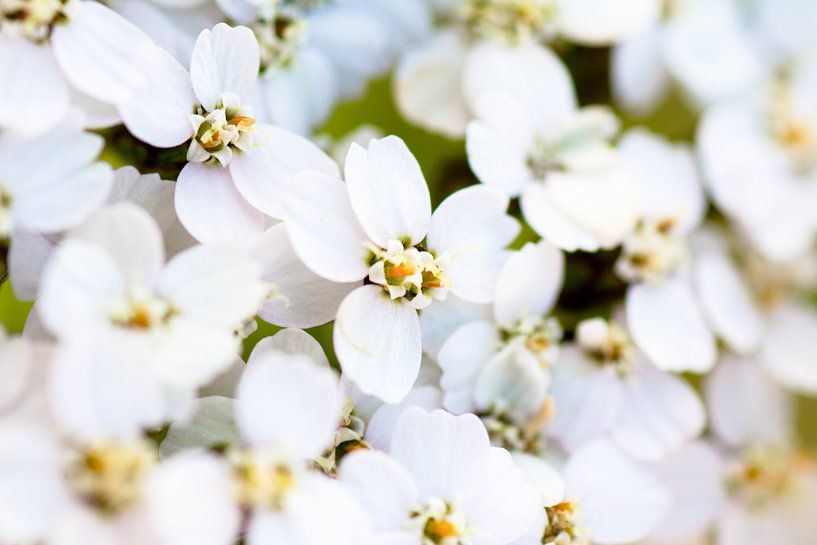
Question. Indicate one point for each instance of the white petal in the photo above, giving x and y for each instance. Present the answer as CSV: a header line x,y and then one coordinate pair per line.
x,y
498,143
588,399
211,425
213,284
553,224
35,96
102,54
547,480
130,401
461,358
278,156
301,399
439,321
445,454
531,74
325,234
377,342
604,202
381,424
428,85
148,191
599,22
660,413
78,288
388,191
506,506
472,220
694,476
727,302
787,354
225,60
306,299
159,113
640,80
529,283
291,341
202,483
668,327
128,235
212,210
745,406
596,475
381,485
31,483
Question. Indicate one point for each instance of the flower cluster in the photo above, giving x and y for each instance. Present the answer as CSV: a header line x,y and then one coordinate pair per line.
x,y
581,332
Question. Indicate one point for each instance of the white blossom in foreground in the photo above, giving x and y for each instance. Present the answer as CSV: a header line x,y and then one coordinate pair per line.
x,y
378,227
441,483
227,186
49,196
500,368
52,51
269,479
108,282
573,188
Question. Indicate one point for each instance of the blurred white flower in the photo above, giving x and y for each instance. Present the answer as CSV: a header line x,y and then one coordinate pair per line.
x,y
51,49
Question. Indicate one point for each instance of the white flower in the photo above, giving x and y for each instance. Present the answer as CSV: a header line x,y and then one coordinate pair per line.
x,y
603,386
679,299
442,483
51,182
500,367
62,490
50,49
607,498
378,226
108,282
226,188
268,476
574,189
765,179
770,486
701,44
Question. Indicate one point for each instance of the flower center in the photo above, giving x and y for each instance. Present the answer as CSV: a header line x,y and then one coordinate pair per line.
x,y
408,273
109,476
218,133
278,39
539,335
33,19
652,252
143,311
796,136
763,475
607,343
260,481
439,523
512,21
562,529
